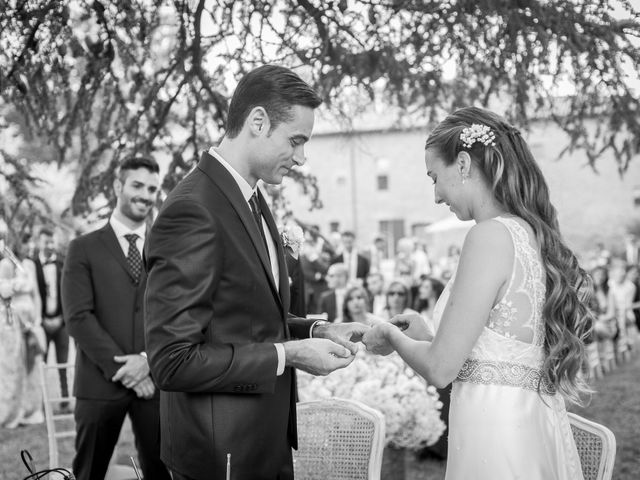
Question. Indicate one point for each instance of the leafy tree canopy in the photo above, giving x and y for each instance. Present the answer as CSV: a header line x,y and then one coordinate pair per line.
x,y
94,80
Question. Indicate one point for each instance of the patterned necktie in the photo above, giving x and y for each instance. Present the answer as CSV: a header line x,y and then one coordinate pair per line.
x,y
133,256
257,216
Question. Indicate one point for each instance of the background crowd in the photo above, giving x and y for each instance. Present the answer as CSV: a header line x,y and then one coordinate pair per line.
x,y
333,278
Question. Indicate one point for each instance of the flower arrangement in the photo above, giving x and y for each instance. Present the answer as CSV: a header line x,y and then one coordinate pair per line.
x,y
410,407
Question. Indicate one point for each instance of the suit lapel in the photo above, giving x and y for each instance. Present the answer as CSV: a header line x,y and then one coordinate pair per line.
x,y
282,263
227,184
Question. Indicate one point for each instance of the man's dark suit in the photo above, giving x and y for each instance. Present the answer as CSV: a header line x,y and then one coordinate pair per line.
x,y
59,336
328,304
362,268
213,312
103,311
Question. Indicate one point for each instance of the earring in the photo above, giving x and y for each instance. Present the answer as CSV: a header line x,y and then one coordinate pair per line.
x,y
464,178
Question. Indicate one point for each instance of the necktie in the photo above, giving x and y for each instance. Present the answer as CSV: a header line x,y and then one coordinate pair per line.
x,y
257,216
134,260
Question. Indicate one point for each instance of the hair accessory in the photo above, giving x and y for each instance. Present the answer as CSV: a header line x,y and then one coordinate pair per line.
x,y
477,133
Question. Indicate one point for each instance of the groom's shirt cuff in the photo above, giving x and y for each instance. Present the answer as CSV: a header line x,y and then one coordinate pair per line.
x,y
281,359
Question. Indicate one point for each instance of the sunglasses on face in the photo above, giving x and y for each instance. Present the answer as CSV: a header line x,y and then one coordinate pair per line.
x,y
400,294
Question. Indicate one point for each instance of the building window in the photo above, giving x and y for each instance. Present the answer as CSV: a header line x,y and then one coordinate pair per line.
x,y
341,180
383,182
334,227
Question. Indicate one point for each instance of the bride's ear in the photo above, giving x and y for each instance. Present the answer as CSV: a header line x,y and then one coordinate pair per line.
x,y
463,165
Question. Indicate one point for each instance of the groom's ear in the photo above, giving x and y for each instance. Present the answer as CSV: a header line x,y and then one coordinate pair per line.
x,y
258,121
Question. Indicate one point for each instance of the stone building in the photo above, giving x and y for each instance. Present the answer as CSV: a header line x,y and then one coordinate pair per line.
x,y
374,182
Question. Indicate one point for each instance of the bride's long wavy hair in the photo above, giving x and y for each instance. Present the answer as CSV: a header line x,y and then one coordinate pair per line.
x,y
518,184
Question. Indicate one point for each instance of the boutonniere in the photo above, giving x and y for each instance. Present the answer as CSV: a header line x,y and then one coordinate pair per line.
x,y
292,239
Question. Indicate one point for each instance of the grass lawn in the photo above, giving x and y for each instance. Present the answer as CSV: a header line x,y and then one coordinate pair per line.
x,y
615,404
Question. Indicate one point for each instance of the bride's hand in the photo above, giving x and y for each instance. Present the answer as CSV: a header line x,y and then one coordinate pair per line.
x,y
413,325
377,340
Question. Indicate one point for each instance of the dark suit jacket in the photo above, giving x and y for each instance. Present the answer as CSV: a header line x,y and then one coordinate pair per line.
x,y
328,305
103,311
213,313
42,286
362,269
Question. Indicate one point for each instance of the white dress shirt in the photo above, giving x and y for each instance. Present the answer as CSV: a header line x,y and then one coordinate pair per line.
x,y
120,229
50,273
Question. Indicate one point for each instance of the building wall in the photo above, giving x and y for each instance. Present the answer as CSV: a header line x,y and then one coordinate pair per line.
x,y
592,206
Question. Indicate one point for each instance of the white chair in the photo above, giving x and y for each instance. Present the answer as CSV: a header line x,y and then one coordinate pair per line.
x,y
596,446
62,425
338,439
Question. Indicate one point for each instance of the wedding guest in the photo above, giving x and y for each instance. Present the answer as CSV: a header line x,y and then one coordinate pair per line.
x,y
222,345
377,254
404,266
633,276
332,300
103,283
298,305
429,290
398,300
605,327
354,308
22,340
48,265
621,293
448,264
377,297
315,262
357,265
513,318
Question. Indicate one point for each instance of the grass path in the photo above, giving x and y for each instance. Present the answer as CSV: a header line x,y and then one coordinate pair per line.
x,y
615,404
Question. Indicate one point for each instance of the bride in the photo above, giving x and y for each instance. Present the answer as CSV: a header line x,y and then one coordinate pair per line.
x,y
511,319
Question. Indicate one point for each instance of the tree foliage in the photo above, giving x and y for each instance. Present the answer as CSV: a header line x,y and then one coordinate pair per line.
x,y
99,79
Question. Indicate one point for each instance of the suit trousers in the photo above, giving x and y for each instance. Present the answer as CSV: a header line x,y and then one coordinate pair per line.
x,y
98,425
60,338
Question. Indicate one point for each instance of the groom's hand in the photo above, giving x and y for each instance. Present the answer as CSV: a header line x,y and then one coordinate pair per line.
x,y
345,334
317,356
413,325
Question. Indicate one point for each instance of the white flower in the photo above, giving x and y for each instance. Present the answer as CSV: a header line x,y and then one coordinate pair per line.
x,y
477,133
410,407
292,239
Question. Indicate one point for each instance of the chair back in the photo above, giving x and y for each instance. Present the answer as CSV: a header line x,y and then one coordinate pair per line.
x,y
59,425
338,438
596,446
62,425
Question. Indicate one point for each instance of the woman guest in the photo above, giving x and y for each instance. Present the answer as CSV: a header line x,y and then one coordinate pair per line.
x,y
21,339
429,290
354,307
513,320
398,300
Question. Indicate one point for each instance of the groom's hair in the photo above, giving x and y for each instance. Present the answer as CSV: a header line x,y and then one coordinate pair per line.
x,y
274,88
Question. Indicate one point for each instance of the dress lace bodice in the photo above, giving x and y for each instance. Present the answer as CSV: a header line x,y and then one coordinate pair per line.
x,y
510,349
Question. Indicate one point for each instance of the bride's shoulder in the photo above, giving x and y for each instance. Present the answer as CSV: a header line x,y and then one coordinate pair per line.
x,y
489,234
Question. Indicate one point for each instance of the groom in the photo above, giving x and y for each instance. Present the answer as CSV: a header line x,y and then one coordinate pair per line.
x,y
219,338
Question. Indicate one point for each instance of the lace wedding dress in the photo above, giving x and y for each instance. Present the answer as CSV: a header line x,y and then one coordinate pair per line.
x,y
500,426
